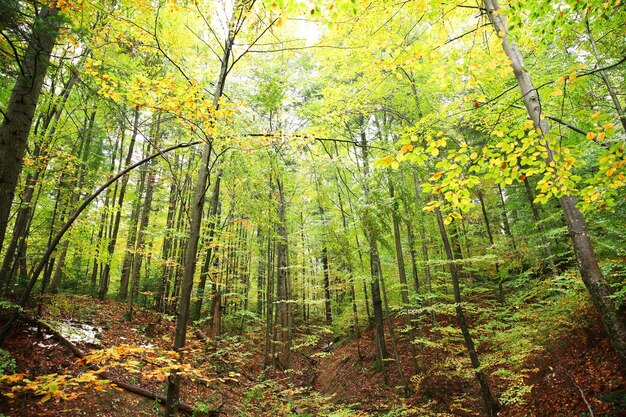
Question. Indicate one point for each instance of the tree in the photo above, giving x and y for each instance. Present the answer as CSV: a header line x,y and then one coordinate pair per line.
x,y
18,116
590,271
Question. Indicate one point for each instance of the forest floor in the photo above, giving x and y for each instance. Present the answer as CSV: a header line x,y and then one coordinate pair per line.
x,y
225,377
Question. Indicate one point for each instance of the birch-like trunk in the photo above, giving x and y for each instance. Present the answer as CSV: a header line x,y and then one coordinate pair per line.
x,y
592,276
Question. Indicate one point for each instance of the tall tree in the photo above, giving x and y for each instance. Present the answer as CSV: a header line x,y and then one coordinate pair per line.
x,y
19,114
592,276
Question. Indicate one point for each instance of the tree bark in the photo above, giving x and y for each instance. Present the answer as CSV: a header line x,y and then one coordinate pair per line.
x,y
18,117
106,271
140,245
592,276
283,278
131,239
213,219
327,298
374,266
404,288
182,312
490,403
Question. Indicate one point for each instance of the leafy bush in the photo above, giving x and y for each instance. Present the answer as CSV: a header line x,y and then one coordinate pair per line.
x,y
7,363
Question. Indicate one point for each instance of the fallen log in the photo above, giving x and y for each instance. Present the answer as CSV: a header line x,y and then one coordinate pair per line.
x,y
184,407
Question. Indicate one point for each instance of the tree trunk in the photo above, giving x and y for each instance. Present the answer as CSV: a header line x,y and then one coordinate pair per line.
x,y
283,285
18,117
404,288
213,219
505,219
140,245
182,313
539,224
327,298
269,304
374,266
132,238
166,248
592,276
106,271
260,281
491,405
500,279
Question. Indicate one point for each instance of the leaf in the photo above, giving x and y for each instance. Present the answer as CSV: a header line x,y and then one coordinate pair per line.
x,y
572,77
406,148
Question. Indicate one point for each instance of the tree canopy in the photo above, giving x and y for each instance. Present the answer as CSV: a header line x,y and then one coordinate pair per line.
x,y
447,176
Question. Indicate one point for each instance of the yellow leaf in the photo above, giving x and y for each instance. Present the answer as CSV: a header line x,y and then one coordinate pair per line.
x,y
473,156
572,77
436,175
591,136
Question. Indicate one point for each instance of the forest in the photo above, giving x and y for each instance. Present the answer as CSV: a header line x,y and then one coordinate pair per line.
x,y
313,208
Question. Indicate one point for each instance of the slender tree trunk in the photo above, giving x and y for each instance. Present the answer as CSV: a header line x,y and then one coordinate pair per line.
x,y
491,404
182,313
374,267
592,276
131,241
348,266
327,297
283,278
213,219
269,304
106,271
58,272
166,248
404,288
413,253
505,219
540,228
140,244
394,339
500,279
424,246
260,283
106,225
